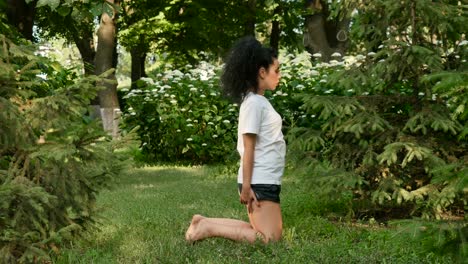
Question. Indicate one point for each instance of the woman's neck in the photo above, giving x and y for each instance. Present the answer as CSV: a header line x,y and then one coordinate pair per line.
x,y
258,91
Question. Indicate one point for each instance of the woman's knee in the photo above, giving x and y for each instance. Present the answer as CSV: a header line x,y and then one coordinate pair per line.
x,y
267,221
270,236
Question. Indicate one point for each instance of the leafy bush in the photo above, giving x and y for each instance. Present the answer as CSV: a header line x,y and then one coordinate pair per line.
x,y
391,134
182,117
53,158
445,238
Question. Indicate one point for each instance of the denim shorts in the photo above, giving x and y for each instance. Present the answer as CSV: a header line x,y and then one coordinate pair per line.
x,y
265,192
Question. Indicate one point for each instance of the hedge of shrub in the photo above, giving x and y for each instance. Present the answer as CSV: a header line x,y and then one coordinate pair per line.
x,y
182,116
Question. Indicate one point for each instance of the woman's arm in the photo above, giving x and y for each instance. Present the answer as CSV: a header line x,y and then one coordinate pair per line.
x,y
247,195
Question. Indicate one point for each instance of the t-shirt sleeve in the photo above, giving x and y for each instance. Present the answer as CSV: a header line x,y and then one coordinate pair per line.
x,y
250,117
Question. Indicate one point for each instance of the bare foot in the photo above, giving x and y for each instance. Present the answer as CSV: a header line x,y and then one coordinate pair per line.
x,y
192,235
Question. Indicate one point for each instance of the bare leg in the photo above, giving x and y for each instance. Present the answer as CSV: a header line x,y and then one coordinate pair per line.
x,y
203,227
266,219
229,222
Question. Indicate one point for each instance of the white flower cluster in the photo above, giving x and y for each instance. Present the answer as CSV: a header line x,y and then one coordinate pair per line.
x,y
280,93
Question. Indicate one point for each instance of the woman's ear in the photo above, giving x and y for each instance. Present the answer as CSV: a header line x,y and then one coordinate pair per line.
x,y
262,73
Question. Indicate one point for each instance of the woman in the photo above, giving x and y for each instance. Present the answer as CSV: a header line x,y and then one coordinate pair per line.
x,y
249,71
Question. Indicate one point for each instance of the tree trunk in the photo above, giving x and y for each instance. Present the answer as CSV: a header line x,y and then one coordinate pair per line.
x,y
84,41
138,55
322,35
142,65
85,44
315,36
21,15
104,61
275,29
251,18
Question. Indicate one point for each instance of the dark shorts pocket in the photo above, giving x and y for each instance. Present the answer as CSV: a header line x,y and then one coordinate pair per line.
x,y
265,192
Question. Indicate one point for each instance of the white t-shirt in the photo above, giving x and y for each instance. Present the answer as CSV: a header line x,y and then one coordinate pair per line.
x,y
257,116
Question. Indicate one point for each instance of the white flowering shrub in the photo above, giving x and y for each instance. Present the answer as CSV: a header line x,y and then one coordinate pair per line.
x,y
299,76
182,116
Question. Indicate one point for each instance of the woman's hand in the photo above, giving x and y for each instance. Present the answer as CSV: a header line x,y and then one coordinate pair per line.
x,y
247,197
247,194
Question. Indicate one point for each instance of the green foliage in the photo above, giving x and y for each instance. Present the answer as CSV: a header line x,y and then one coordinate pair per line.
x,y
178,28
447,238
181,30
69,19
53,158
295,72
453,86
392,128
182,117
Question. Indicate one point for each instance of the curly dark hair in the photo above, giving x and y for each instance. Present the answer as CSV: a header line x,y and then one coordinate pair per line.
x,y
240,71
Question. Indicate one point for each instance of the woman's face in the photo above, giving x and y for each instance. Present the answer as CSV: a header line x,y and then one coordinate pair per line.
x,y
269,78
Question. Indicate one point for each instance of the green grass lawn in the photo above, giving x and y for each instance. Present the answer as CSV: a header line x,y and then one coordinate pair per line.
x,y
144,218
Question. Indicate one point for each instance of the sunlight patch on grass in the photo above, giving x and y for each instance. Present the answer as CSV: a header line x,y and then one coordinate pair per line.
x,y
107,233
172,170
143,186
192,206
134,247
